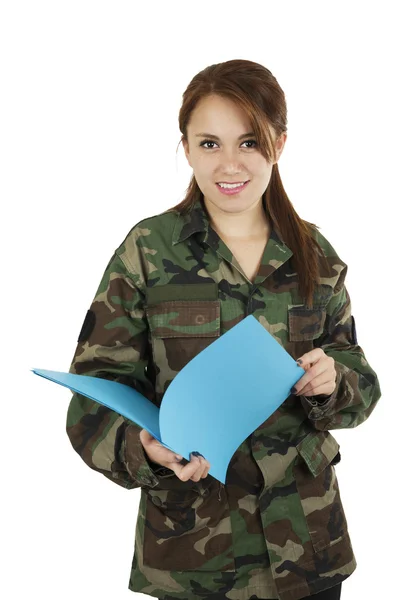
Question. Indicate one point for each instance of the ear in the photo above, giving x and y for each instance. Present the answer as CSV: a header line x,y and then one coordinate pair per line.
x,y
280,143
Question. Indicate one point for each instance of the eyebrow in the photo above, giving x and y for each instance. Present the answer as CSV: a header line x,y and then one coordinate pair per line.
x,y
215,137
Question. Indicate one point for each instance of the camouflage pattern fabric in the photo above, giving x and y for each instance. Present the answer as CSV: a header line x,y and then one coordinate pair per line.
x,y
277,528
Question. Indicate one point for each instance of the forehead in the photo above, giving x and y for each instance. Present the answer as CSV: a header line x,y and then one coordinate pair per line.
x,y
219,117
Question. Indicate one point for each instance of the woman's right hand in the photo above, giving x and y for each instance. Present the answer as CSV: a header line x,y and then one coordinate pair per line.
x,y
196,469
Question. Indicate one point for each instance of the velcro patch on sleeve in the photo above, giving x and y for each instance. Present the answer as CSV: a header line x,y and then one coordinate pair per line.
x,y
88,326
354,333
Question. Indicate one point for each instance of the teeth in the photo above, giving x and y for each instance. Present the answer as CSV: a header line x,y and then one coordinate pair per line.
x,y
230,185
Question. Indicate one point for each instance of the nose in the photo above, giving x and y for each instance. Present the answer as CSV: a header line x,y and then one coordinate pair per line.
x,y
230,161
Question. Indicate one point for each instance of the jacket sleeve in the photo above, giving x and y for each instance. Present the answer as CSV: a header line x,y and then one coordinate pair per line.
x,y
357,388
113,344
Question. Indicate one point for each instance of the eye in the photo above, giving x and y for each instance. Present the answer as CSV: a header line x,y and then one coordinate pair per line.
x,y
212,142
250,142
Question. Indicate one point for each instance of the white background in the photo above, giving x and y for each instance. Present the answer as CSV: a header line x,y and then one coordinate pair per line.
x,y
90,94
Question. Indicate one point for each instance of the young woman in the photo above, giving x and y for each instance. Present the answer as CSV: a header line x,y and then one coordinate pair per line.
x,y
180,279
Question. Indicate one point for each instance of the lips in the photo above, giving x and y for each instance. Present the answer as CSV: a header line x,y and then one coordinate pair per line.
x,y
232,190
232,182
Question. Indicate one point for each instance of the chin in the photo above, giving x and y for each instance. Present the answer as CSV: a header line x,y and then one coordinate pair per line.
x,y
228,205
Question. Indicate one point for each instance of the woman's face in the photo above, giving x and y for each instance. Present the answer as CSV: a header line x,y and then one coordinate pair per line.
x,y
227,159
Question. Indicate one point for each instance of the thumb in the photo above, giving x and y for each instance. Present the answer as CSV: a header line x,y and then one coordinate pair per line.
x,y
145,437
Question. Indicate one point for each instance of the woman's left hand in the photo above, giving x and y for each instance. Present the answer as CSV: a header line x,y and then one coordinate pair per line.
x,y
320,376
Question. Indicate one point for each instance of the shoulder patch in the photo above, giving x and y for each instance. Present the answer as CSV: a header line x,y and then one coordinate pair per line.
x,y
88,326
354,334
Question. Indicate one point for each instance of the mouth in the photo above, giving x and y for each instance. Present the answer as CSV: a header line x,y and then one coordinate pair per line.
x,y
232,182
229,191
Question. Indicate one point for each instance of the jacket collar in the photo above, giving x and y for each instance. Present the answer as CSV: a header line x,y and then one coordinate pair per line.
x,y
191,222
197,220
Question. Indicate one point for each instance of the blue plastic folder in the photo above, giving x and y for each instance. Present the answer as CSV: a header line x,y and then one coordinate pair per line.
x,y
214,403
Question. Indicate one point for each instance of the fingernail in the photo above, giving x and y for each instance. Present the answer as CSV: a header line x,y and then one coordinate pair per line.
x,y
299,361
196,454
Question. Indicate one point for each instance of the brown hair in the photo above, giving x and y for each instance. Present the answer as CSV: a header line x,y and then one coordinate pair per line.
x,y
254,89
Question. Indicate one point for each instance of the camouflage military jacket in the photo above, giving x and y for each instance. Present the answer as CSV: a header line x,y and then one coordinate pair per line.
x,y
277,528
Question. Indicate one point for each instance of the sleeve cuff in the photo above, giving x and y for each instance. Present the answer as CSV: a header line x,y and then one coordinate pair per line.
x,y
319,400
316,407
134,458
157,469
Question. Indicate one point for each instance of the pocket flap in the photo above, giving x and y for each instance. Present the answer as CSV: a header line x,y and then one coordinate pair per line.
x,y
181,291
318,449
184,318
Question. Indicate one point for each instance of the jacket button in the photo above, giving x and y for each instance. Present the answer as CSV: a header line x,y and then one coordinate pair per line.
x,y
316,412
199,319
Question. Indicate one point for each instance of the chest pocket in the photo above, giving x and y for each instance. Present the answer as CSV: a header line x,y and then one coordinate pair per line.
x,y
305,323
183,320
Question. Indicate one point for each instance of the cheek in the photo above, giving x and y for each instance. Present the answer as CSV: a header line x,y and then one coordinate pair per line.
x,y
261,167
203,167
264,174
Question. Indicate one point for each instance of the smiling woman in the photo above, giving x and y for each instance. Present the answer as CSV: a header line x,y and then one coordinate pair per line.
x,y
180,279
230,138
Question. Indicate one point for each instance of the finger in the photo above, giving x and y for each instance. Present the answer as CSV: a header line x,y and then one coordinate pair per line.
x,y
167,457
147,439
206,471
160,453
314,371
191,468
144,435
319,385
200,468
197,468
310,357
207,467
173,456
185,471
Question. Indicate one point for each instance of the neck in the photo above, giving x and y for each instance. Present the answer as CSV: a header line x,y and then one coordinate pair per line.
x,y
251,223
